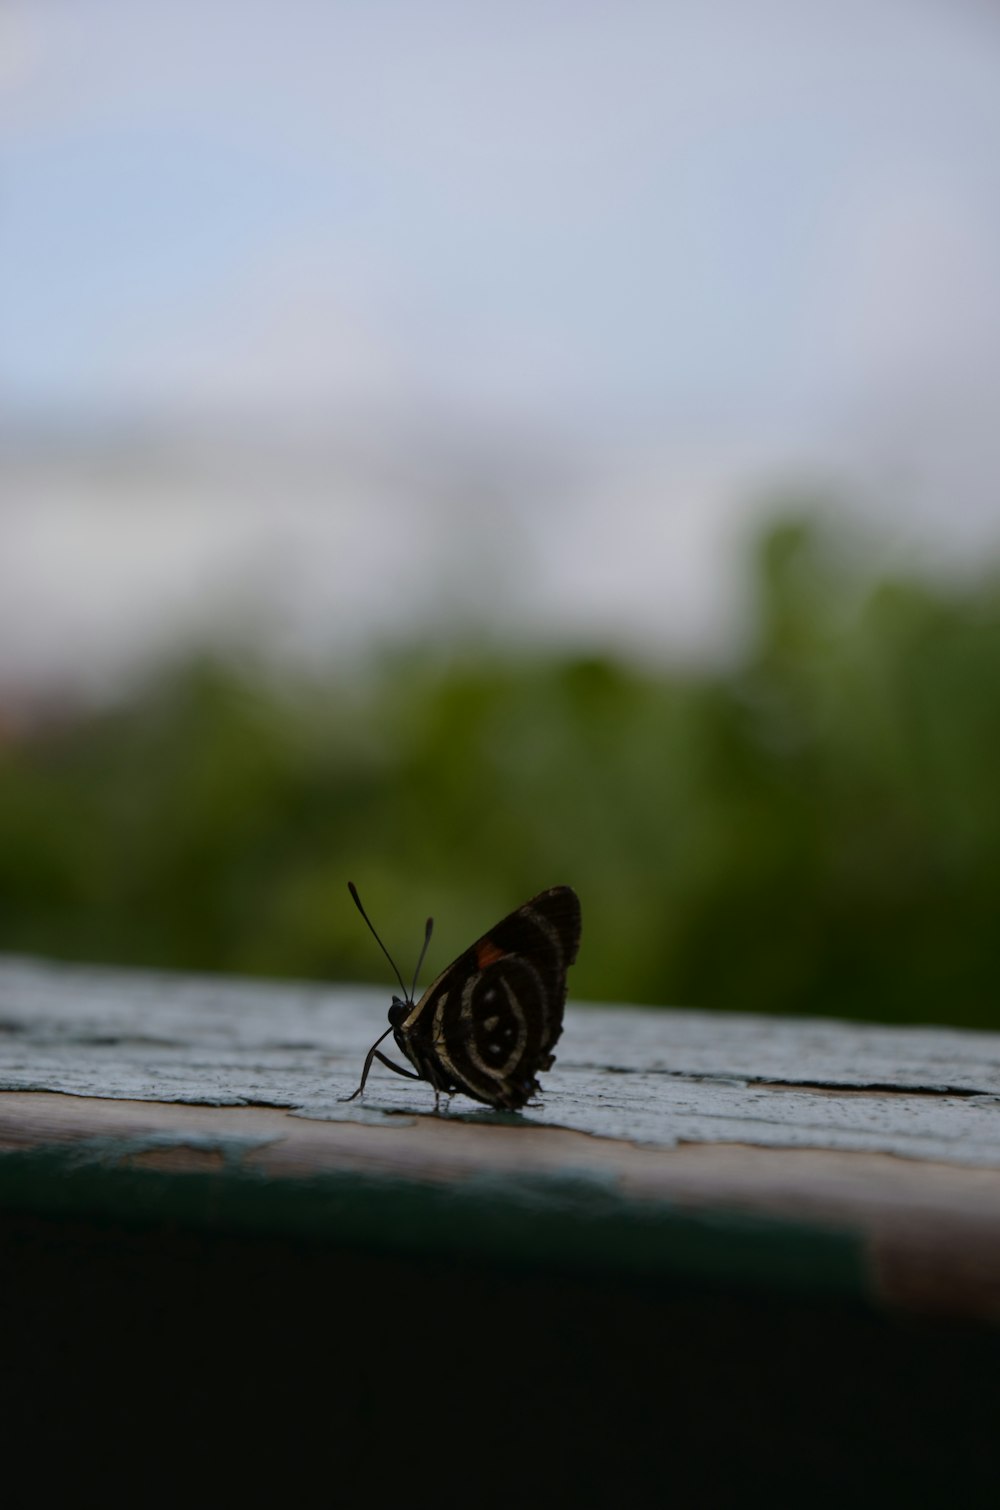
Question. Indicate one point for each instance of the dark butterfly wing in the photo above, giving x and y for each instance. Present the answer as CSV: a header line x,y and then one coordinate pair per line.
x,y
487,1025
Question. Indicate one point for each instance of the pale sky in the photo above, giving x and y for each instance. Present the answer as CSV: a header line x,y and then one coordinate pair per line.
x,y
707,244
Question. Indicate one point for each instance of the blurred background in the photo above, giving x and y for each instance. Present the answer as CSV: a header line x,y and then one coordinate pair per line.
x,y
470,448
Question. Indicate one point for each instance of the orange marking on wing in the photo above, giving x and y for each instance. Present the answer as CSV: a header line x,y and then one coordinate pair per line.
x,y
487,953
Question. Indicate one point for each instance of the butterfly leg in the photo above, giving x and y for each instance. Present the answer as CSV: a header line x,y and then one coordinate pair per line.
x,y
390,1065
376,1053
429,1074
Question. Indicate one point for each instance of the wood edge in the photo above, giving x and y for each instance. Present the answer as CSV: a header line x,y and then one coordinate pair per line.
x,y
928,1234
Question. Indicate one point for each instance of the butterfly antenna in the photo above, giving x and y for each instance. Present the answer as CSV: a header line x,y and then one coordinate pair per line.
x,y
357,902
428,930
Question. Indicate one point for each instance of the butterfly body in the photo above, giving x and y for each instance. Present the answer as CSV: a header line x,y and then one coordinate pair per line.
x,y
488,1024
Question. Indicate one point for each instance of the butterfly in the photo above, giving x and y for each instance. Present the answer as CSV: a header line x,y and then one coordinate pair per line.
x,y
488,1024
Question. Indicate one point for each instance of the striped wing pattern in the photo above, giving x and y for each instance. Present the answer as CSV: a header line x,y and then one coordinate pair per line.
x,y
487,1026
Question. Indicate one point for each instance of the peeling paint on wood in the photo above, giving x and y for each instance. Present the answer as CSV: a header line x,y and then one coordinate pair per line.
x,y
659,1078
742,1149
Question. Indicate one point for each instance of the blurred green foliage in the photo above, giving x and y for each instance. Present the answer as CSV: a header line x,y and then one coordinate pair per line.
x,y
814,831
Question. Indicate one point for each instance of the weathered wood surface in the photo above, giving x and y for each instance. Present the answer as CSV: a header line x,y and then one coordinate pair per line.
x,y
883,1140
658,1078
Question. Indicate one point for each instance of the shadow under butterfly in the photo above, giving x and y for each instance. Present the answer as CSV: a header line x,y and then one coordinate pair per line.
x,y
489,1022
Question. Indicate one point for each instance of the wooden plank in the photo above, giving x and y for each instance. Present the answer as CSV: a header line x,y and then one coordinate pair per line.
x,y
653,1077
678,1143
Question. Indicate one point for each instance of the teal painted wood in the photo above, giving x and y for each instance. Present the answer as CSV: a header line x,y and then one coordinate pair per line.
x,y
658,1078
573,1225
